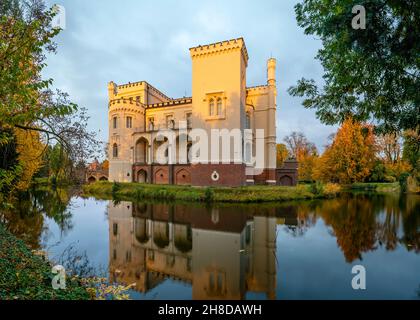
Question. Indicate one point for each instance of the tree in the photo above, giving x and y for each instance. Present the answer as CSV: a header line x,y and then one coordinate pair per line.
x,y
350,157
281,156
304,152
411,148
370,73
27,101
30,150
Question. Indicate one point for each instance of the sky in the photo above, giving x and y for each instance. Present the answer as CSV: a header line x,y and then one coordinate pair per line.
x,y
133,40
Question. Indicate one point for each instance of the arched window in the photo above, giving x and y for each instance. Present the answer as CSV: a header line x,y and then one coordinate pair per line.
x,y
114,122
115,150
211,107
219,106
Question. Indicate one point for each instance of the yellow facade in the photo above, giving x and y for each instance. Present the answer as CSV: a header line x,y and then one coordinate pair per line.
x,y
220,100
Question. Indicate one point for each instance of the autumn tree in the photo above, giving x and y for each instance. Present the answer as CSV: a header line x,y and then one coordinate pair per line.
x,y
27,101
351,155
304,152
30,150
390,155
281,154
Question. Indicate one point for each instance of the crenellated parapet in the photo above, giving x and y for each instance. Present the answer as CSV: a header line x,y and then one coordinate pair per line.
x,y
126,105
220,47
173,102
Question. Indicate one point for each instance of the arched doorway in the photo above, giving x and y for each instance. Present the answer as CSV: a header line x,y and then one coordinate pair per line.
x,y
91,179
183,177
286,180
142,150
161,176
142,176
103,178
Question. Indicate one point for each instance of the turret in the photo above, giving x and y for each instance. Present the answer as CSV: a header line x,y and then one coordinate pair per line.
x,y
112,90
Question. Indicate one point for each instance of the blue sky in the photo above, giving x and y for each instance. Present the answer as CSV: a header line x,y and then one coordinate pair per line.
x,y
133,40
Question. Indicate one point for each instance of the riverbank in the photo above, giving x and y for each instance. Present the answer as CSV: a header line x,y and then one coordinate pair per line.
x,y
375,186
24,275
105,190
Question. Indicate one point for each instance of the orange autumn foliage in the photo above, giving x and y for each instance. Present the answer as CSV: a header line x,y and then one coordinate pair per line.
x,y
351,156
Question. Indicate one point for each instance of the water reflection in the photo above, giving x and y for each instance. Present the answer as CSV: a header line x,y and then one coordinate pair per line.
x,y
220,252
232,251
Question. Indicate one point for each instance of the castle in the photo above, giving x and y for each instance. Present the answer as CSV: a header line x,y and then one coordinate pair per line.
x,y
140,114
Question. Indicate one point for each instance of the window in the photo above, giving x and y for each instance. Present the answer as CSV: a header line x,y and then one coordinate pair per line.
x,y
170,123
129,122
151,123
247,121
211,107
189,118
115,150
115,229
219,106
114,122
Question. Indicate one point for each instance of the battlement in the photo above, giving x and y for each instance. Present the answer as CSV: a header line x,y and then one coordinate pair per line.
x,y
129,88
223,46
173,102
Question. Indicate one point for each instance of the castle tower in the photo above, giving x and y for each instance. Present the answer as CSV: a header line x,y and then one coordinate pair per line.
x,y
219,93
125,116
271,122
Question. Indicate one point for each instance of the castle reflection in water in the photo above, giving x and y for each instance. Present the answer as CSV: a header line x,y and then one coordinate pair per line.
x,y
220,251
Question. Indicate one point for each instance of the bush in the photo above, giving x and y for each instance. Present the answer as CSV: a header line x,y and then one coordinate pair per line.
x,y
317,188
331,189
115,188
390,179
403,181
209,195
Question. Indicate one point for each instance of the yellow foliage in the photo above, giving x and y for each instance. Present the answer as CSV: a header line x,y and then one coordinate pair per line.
x,y
29,148
350,157
397,168
331,189
281,155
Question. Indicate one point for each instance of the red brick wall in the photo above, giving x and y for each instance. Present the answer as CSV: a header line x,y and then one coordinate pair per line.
x,y
182,175
137,168
161,175
229,174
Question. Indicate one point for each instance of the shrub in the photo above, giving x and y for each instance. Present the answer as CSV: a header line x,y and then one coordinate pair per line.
x,y
317,188
390,179
209,195
115,188
403,181
331,189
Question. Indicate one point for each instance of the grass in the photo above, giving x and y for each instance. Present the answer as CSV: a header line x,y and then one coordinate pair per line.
x,y
376,186
106,190
24,275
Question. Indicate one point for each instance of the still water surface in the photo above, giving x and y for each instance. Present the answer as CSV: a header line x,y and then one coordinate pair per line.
x,y
302,250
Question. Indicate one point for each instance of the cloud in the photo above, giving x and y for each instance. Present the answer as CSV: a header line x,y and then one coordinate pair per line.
x,y
137,40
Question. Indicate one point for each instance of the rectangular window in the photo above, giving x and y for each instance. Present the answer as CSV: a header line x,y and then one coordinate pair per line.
x,y
114,122
170,121
129,122
151,123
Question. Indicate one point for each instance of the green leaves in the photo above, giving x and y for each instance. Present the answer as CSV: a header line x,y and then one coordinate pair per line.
x,y
370,74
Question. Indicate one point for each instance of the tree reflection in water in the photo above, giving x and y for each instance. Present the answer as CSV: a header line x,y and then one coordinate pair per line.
x,y
26,218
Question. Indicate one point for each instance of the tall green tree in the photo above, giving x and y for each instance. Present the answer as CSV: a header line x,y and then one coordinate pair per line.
x,y
369,74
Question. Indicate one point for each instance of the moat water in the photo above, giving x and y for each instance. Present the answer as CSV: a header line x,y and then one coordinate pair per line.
x,y
299,250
